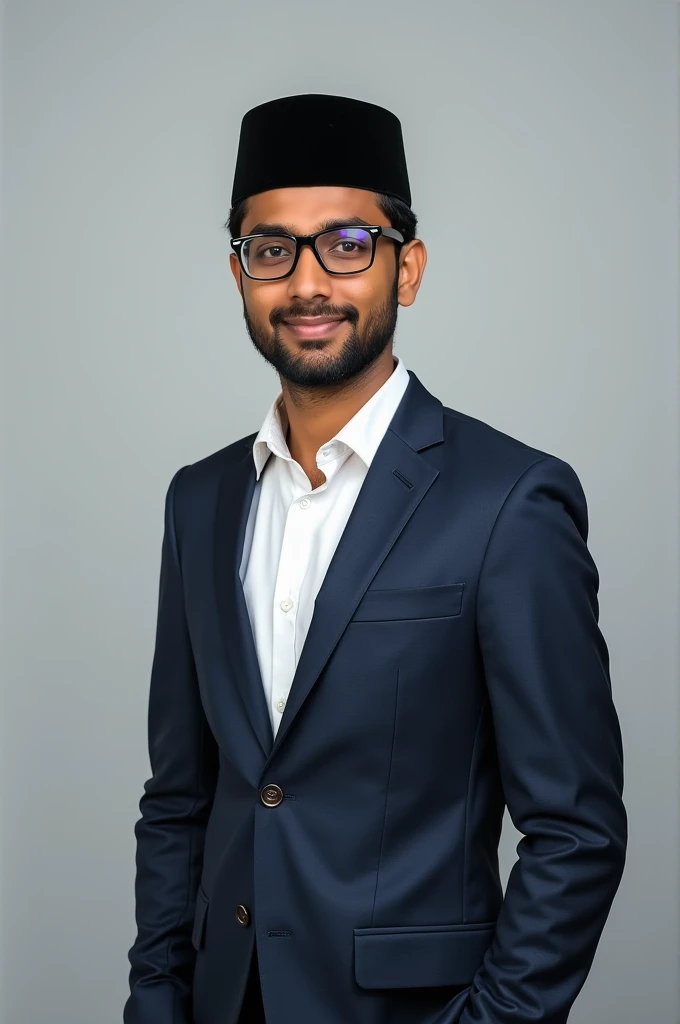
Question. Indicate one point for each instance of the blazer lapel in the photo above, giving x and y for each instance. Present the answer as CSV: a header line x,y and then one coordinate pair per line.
x,y
395,484
233,505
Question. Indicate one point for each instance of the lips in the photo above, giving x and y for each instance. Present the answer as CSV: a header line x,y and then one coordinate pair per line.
x,y
312,321
313,326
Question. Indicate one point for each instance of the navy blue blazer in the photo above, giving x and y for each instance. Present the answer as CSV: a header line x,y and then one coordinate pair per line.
x,y
454,664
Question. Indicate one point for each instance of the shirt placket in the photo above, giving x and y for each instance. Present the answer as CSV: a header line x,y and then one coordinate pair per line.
x,y
297,543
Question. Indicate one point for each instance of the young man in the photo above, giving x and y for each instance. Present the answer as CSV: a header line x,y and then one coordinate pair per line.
x,y
377,626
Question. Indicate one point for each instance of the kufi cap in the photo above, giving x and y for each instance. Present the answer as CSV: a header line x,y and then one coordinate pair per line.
x,y
315,139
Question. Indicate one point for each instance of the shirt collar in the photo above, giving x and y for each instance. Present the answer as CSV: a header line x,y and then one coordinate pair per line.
x,y
362,434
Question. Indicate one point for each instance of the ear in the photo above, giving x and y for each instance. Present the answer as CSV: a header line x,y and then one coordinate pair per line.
x,y
235,268
412,261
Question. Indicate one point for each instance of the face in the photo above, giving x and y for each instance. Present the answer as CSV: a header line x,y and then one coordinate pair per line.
x,y
362,308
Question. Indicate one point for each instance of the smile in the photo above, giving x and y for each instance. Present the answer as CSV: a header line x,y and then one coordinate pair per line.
x,y
313,326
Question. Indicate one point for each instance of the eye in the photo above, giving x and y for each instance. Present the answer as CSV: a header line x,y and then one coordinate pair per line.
x,y
347,245
272,252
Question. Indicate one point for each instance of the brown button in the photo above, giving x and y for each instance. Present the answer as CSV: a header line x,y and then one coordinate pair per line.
x,y
271,796
243,915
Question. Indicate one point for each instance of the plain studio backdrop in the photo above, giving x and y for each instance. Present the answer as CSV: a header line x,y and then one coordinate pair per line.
x,y
542,142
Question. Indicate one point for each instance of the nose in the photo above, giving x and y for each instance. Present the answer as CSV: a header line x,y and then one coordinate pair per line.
x,y
309,280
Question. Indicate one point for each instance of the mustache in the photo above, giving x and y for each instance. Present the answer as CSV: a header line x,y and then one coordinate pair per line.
x,y
281,313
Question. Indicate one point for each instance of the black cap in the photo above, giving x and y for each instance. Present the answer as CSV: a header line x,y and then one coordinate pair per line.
x,y
314,139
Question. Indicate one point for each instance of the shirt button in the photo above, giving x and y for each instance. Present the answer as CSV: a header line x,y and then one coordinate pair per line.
x,y
286,605
280,705
326,452
305,503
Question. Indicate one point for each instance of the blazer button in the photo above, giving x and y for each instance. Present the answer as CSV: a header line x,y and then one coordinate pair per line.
x,y
271,796
243,915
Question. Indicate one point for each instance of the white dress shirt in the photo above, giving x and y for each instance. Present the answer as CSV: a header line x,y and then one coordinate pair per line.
x,y
293,530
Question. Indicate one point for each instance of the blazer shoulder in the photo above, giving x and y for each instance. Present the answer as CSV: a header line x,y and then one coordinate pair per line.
x,y
495,461
498,454
195,485
479,433
211,467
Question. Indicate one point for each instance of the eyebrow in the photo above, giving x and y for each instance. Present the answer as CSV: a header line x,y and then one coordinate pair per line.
x,y
265,227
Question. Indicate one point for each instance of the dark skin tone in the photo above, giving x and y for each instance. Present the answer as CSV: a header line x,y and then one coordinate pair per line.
x,y
325,381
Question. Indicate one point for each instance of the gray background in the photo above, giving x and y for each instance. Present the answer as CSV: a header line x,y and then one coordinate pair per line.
x,y
542,140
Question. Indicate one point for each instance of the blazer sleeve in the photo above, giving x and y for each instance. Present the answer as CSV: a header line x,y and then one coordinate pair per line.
x,y
559,750
175,807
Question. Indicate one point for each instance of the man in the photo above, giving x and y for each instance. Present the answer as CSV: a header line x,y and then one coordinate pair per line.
x,y
377,627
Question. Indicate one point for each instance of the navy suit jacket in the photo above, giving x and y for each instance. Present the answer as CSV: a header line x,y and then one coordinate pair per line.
x,y
454,665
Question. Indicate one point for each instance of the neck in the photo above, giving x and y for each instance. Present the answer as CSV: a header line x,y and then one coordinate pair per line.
x,y
314,417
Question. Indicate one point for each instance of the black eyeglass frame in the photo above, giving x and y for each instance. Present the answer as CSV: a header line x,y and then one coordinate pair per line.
x,y
374,231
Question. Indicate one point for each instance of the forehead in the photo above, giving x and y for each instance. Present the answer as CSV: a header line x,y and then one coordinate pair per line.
x,y
304,210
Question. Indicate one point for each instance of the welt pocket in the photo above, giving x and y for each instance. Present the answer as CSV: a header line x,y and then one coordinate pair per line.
x,y
410,603
420,955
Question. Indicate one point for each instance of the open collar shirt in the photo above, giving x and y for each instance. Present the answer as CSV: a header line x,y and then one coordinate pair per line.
x,y
293,529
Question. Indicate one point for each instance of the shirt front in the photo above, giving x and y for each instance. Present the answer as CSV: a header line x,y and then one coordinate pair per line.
x,y
293,530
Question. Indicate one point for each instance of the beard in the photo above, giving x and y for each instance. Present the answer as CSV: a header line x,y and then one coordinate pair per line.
x,y
362,346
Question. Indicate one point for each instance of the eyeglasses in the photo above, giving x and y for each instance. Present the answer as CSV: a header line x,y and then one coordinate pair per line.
x,y
341,250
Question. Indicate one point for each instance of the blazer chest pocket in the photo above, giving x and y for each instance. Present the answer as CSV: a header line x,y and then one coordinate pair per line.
x,y
411,957
410,603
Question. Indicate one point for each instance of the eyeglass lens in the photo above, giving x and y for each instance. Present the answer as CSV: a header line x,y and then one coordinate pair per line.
x,y
341,250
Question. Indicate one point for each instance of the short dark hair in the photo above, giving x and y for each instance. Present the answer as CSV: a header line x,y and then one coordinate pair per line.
x,y
397,212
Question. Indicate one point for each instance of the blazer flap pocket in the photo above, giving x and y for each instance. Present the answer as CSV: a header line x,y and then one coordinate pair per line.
x,y
445,954
199,919
410,603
